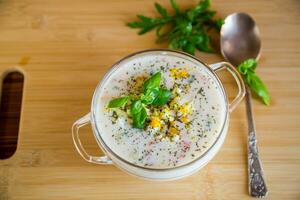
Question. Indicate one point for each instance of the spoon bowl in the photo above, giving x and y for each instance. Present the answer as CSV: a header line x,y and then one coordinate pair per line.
x,y
240,38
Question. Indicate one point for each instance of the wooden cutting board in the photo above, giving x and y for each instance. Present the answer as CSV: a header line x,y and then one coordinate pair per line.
x,y
64,47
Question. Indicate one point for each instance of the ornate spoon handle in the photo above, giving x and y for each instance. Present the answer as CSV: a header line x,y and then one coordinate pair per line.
x,y
257,183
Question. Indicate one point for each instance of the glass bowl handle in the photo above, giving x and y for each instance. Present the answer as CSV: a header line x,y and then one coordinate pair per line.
x,y
75,134
236,75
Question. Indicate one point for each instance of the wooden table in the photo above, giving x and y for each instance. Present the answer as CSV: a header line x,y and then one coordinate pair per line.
x,y
65,47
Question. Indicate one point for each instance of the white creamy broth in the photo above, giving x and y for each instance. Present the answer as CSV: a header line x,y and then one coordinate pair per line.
x,y
142,147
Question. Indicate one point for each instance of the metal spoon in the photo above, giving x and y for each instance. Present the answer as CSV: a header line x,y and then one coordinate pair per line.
x,y
240,41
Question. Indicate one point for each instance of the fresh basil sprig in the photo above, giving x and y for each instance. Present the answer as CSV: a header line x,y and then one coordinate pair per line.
x,y
152,95
139,114
152,82
118,102
149,96
247,69
185,29
162,98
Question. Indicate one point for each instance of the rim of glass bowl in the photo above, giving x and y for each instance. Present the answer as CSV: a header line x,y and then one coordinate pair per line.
x,y
114,67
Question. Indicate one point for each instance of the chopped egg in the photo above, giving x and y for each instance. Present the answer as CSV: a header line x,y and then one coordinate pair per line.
x,y
174,103
185,109
155,113
159,136
173,131
172,123
185,120
155,122
174,72
179,73
183,73
165,113
171,119
176,91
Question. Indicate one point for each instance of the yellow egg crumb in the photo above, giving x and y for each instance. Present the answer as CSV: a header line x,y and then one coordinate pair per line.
x,y
185,120
159,136
173,131
162,127
185,109
155,122
172,123
179,73
155,114
183,73
174,72
174,103
171,119
165,113
139,81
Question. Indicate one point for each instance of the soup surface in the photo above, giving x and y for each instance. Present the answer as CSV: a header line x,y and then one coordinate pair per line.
x,y
176,133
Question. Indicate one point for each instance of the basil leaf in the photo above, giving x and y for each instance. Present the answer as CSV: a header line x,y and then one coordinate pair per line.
x,y
140,118
258,87
152,82
118,102
247,69
149,96
136,107
163,97
247,65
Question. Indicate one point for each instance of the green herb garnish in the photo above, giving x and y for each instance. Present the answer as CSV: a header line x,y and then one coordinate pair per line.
x,y
139,114
149,96
118,102
163,97
152,95
152,82
247,69
185,29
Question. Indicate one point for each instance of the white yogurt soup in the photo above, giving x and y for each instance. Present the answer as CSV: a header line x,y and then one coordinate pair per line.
x,y
174,134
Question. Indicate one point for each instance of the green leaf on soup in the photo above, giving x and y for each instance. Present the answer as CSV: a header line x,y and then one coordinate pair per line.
x,y
136,107
149,96
152,82
163,97
139,115
118,102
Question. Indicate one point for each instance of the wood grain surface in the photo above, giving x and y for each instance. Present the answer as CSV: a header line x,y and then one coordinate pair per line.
x,y
64,47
